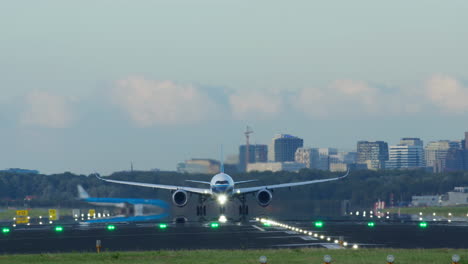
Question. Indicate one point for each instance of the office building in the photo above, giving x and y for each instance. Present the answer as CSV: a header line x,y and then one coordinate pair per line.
x,y
307,156
338,167
411,142
257,153
405,157
436,154
409,154
372,153
465,150
201,166
348,157
283,148
275,166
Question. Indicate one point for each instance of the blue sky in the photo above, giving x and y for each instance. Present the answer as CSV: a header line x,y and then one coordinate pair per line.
x,y
92,85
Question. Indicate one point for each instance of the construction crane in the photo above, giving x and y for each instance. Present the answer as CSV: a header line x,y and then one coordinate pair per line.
x,y
247,133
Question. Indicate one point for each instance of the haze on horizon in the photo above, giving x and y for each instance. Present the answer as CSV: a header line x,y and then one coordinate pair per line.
x,y
93,85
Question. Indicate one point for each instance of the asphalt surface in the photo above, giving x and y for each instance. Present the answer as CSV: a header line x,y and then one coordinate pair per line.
x,y
249,235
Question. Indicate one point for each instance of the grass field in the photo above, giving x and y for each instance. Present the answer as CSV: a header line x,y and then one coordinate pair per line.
x,y
283,256
460,211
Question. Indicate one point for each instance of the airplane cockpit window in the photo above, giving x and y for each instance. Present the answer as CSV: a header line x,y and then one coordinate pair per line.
x,y
221,182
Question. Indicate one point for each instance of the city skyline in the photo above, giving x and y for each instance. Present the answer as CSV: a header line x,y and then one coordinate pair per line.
x,y
90,88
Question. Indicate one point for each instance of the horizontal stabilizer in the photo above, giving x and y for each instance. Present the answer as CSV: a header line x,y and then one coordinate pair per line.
x,y
241,182
204,182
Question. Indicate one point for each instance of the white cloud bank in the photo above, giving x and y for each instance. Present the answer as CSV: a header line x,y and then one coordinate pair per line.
x,y
351,98
447,93
46,110
255,104
152,102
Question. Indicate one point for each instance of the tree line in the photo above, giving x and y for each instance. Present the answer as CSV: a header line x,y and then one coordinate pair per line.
x,y
362,188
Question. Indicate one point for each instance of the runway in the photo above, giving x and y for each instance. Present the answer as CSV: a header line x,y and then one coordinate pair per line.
x,y
249,235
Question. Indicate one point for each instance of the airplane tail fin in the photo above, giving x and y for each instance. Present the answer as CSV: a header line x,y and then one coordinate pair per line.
x,y
82,194
222,160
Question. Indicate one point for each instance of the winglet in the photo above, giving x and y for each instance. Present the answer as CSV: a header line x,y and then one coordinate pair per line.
x,y
346,175
98,176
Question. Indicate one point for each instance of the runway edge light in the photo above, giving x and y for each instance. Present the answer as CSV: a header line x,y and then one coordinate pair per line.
x,y
455,259
327,259
263,260
390,259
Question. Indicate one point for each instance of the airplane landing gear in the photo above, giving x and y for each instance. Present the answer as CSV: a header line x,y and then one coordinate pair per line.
x,y
201,208
243,208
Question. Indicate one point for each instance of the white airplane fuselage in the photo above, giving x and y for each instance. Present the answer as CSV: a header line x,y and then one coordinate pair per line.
x,y
222,187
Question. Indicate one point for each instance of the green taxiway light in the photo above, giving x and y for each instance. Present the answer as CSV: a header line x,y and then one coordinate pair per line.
x,y
58,229
318,224
111,227
162,226
423,224
5,230
214,225
371,224
266,224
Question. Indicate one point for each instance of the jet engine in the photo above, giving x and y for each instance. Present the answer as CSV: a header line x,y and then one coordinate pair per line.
x,y
180,198
264,197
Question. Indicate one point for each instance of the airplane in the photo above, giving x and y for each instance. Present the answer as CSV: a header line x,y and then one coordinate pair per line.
x,y
222,189
132,207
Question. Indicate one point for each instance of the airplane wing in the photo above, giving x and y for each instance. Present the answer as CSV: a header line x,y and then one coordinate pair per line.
x,y
203,182
284,185
241,182
160,186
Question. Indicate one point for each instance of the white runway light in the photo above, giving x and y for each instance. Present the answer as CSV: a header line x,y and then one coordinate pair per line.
x,y
222,199
222,219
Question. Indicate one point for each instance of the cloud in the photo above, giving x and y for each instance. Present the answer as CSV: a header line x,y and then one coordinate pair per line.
x,y
353,98
255,104
153,102
47,110
447,93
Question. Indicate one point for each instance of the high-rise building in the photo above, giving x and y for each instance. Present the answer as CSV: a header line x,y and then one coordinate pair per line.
x,y
257,153
409,154
307,156
283,147
372,153
466,140
436,154
465,148
327,156
275,166
405,157
348,157
411,142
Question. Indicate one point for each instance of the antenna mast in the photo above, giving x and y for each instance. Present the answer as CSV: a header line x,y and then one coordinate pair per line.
x,y
247,133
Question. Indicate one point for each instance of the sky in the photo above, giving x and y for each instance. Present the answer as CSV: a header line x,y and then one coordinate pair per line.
x,y
94,85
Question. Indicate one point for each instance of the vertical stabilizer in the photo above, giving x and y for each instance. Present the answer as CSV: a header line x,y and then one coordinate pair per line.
x,y
82,194
222,160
